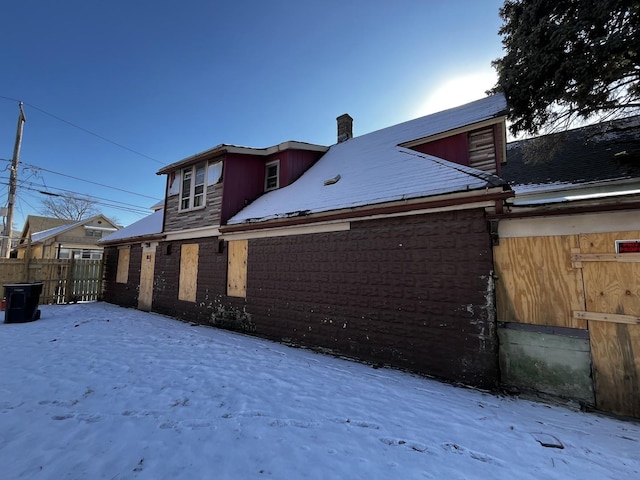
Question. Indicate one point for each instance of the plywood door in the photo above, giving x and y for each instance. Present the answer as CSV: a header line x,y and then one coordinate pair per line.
x,y
237,268
122,274
145,296
613,288
188,272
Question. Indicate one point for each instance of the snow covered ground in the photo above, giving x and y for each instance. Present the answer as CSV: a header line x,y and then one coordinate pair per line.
x,y
94,391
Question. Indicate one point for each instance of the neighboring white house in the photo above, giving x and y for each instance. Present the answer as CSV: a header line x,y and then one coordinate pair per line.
x,y
63,238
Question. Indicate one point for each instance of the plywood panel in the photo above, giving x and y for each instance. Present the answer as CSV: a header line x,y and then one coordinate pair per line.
x,y
536,282
604,242
188,272
615,351
237,269
613,288
145,296
122,274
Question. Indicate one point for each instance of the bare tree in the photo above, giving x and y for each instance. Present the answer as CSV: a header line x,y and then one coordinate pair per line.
x,y
69,207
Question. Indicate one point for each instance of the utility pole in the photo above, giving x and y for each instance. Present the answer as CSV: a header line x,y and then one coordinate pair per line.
x,y
13,181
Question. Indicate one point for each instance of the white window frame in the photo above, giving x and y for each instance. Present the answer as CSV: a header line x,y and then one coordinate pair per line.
x,y
275,163
194,194
90,232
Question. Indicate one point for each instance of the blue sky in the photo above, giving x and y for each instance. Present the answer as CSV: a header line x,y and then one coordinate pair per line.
x,y
165,79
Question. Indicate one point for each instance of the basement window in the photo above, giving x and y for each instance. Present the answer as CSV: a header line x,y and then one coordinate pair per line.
x,y
192,188
271,175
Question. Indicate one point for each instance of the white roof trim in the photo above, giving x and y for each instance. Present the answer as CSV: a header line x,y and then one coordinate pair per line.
x,y
558,192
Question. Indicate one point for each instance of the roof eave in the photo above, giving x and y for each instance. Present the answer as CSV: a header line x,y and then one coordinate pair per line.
x,y
493,120
223,148
135,239
458,199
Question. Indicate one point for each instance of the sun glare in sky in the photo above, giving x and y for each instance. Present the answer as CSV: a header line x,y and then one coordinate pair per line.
x,y
457,91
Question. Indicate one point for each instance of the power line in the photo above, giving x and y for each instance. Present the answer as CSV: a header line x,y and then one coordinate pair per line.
x,y
90,181
105,139
71,193
107,203
35,167
76,195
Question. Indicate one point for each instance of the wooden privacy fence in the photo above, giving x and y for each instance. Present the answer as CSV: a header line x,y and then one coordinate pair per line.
x,y
64,281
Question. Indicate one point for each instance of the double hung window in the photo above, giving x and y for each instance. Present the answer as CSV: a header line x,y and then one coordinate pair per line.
x,y
192,189
271,175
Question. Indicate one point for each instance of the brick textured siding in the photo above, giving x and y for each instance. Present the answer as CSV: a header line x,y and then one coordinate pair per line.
x,y
211,284
413,292
123,294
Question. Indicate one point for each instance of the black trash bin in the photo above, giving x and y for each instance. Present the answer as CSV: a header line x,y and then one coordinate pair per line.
x,y
22,302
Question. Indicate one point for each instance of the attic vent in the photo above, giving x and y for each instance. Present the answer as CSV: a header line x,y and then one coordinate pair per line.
x,y
333,180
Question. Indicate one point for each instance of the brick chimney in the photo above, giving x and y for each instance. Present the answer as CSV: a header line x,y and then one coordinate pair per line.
x,y
345,127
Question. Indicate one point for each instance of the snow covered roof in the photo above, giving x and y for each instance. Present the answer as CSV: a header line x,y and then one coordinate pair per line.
x,y
149,225
373,168
35,223
52,232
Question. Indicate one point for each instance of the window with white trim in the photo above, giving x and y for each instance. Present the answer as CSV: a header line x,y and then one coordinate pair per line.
x,y
85,254
192,189
272,175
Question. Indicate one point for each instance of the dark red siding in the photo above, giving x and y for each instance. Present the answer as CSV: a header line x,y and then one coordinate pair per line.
x,y
454,148
244,176
243,182
294,163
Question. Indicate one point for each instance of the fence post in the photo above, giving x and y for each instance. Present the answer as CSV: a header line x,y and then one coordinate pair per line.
x,y
68,291
101,279
27,260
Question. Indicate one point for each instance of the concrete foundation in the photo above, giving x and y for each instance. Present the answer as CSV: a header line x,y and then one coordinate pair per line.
x,y
552,361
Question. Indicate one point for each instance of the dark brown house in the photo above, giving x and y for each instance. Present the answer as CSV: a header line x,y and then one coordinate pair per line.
x,y
374,248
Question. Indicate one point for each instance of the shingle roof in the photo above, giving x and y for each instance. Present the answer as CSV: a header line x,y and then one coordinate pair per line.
x,y
373,169
606,151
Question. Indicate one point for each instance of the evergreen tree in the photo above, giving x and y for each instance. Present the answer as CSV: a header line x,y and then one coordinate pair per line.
x,y
567,60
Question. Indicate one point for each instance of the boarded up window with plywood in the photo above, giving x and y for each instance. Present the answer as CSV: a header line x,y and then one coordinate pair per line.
x,y
237,271
188,272
122,274
536,283
482,150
